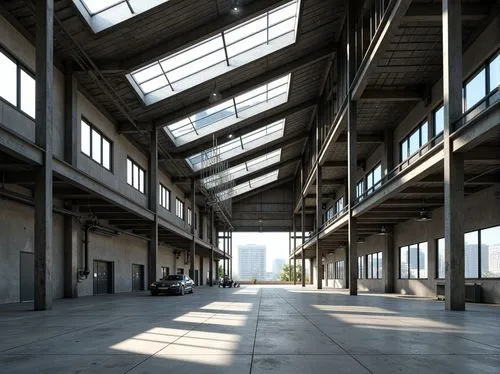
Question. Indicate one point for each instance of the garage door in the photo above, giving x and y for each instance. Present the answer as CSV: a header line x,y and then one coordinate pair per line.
x,y
137,277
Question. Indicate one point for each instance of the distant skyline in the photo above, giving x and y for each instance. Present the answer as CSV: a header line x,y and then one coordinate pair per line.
x,y
276,246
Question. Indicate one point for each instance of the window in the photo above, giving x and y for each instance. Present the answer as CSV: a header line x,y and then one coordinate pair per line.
x,y
413,261
360,189
101,14
229,112
494,73
475,89
481,251
439,121
95,145
189,216
217,54
374,178
374,265
165,271
329,214
135,175
339,269
164,197
248,186
19,92
238,145
441,264
179,208
361,267
413,142
241,170
339,205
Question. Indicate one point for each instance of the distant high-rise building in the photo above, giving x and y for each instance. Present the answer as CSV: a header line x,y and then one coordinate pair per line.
x,y
277,266
252,261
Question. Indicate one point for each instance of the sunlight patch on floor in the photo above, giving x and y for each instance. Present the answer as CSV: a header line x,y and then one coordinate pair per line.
x,y
354,309
247,291
235,307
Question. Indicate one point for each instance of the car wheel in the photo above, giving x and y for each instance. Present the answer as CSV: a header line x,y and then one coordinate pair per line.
x,y
181,292
154,293
192,289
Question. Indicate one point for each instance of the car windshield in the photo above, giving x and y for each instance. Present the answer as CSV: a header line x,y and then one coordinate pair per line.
x,y
173,277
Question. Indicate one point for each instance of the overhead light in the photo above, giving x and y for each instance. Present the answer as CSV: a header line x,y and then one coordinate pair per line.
x,y
361,239
230,136
424,215
383,231
235,7
214,96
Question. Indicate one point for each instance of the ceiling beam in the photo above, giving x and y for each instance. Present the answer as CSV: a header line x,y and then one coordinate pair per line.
x,y
483,155
364,138
246,127
172,44
268,186
391,95
418,12
332,182
296,64
334,164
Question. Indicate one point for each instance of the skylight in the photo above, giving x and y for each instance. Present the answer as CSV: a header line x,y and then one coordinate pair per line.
x,y
101,14
243,169
229,112
248,186
237,146
237,46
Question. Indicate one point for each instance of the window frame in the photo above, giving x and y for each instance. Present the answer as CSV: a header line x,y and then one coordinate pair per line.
x,y
338,202
371,174
103,137
179,204
406,139
140,168
189,216
409,277
168,205
19,66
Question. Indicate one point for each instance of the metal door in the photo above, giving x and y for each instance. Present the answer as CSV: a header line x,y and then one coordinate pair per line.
x,y
196,277
137,277
27,276
103,277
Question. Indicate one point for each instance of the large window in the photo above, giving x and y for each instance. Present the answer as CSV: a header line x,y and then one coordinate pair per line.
x,y
412,143
217,54
165,270
164,198
361,267
179,208
339,269
374,265
374,179
481,251
136,176
329,214
482,82
413,260
17,84
249,185
339,205
438,121
189,216
360,189
95,145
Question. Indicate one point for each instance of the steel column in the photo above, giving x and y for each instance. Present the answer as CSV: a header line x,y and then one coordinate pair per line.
x,y
319,253
153,206
211,268
193,233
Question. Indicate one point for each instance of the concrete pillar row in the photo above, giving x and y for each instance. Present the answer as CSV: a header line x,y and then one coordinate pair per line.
x,y
153,206
192,270
319,253
43,138
211,237
453,162
311,271
302,226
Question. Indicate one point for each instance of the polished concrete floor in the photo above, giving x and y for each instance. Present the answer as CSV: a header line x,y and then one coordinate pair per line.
x,y
267,329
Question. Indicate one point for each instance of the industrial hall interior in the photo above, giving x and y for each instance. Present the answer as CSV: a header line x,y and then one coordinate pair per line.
x,y
139,139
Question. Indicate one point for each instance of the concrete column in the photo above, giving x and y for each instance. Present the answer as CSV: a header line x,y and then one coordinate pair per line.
x,y
211,268
311,271
388,157
153,206
389,270
319,253
71,243
294,229
43,137
453,162
231,254
71,133
224,250
201,272
193,233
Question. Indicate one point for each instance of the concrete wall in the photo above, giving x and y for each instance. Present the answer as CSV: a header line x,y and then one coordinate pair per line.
x,y
481,210
17,235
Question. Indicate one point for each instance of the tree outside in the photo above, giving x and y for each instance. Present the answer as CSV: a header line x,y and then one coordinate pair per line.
x,y
220,272
285,273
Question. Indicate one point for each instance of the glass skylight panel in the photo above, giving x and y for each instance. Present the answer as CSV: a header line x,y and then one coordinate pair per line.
x,y
237,146
101,14
243,169
219,54
229,112
248,186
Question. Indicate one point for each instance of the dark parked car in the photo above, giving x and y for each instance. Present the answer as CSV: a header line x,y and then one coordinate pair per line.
x,y
176,284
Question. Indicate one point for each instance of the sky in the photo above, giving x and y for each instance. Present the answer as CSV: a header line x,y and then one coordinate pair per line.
x,y
276,246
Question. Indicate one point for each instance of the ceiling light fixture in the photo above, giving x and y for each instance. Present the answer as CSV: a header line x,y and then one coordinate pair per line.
x,y
361,239
230,136
424,215
215,95
235,7
383,231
